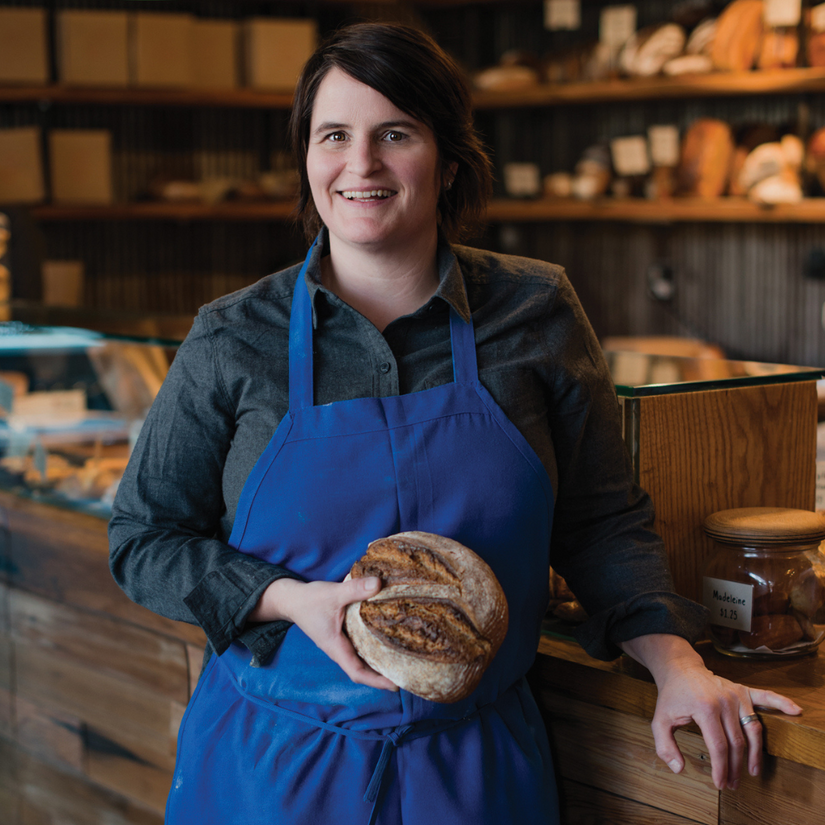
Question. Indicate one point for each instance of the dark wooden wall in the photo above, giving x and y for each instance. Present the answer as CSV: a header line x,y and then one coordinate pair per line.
x,y
740,285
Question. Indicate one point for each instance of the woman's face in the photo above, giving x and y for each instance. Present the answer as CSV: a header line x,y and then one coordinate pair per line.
x,y
374,170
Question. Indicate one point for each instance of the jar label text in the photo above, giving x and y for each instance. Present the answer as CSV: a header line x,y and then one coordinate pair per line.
x,y
730,603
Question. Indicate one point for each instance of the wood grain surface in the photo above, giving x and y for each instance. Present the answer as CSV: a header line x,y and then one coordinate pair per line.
x,y
564,669
709,451
614,752
92,687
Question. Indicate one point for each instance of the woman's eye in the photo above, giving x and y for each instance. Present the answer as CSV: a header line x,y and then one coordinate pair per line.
x,y
336,137
395,137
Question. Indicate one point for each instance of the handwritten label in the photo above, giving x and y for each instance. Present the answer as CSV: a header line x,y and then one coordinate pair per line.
x,y
522,180
820,485
730,603
630,155
616,25
818,18
562,15
53,404
781,12
664,145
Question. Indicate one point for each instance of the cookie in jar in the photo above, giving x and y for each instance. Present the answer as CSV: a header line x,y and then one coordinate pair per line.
x,y
765,584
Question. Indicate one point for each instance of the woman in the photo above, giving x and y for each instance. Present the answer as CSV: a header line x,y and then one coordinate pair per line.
x,y
409,385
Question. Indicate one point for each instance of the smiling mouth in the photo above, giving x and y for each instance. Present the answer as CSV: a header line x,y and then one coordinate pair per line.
x,y
368,195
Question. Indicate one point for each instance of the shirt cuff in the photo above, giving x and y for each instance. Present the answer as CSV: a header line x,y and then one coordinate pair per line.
x,y
262,640
223,599
647,613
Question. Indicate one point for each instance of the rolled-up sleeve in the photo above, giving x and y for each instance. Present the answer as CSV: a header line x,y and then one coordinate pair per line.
x,y
603,543
163,534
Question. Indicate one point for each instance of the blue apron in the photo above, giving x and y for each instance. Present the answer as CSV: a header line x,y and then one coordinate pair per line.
x,y
296,742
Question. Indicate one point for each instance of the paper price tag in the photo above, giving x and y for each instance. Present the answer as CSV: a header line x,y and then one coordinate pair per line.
x,y
664,145
818,18
781,12
630,155
820,485
616,25
52,404
6,398
562,15
522,180
730,603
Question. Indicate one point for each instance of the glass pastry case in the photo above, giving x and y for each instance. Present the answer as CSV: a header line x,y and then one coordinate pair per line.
x,y
72,402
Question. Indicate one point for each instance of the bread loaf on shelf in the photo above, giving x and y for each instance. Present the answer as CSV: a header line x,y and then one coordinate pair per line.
x,y
647,51
779,50
438,620
707,151
738,38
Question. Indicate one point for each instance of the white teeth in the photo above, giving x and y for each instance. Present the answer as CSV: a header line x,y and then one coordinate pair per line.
x,y
363,196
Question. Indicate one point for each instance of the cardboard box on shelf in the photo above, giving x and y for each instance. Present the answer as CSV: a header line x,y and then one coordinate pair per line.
x,y
62,283
21,165
93,47
161,49
23,46
275,51
215,54
81,165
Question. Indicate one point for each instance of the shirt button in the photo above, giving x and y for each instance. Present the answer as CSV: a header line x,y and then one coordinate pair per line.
x,y
385,367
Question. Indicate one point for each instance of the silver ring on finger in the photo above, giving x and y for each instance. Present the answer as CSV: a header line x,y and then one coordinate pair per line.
x,y
746,720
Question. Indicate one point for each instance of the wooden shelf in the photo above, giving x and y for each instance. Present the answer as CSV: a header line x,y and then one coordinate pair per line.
x,y
717,84
236,98
230,211
630,210
675,210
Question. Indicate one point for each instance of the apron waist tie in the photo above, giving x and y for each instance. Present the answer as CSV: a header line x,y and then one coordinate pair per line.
x,y
391,740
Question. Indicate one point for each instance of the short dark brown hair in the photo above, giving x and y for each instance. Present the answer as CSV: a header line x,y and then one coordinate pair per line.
x,y
410,69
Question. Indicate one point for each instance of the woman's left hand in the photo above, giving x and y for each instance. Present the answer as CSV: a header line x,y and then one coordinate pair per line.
x,y
689,692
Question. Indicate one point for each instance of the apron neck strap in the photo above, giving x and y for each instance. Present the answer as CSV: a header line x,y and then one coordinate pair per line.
x,y
465,367
462,333
300,342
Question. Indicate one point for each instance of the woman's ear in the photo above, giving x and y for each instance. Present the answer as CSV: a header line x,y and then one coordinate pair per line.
x,y
450,173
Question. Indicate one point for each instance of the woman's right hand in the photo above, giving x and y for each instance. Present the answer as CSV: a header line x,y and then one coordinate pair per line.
x,y
318,609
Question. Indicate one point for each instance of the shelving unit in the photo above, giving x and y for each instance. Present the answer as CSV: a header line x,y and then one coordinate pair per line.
x,y
675,210
173,256
632,210
715,84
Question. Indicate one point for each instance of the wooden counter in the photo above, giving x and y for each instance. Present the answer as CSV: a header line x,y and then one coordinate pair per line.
x,y
599,716
93,687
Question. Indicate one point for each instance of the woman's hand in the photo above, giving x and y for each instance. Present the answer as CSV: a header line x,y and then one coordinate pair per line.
x,y
688,691
318,609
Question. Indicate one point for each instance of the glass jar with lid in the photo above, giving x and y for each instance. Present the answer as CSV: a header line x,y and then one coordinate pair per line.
x,y
765,585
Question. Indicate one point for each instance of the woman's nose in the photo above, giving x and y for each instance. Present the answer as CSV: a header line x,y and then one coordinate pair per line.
x,y
364,157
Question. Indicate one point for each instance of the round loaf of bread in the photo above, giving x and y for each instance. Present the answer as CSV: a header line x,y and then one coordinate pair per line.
x,y
438,620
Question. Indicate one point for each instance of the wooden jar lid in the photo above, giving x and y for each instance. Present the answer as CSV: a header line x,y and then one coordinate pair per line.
x,y
766,526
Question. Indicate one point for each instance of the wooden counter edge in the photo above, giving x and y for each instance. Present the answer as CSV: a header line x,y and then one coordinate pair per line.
x,y
563,667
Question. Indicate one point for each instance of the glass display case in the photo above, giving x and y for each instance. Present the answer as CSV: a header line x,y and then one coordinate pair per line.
x,y
72,402
639,376
71,405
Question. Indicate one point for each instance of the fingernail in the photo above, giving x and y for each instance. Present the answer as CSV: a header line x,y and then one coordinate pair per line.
x,y
675,765
754,771
371,582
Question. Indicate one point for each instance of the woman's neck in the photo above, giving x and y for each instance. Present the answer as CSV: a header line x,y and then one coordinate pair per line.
x,y
383,285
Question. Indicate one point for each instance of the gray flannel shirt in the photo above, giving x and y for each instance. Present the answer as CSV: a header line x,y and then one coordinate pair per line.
x,y
227,391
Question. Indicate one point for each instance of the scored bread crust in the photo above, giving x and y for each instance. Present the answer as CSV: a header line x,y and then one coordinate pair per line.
x,y
473,590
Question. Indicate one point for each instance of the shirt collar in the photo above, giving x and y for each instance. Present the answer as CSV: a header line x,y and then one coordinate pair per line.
x,y
450,289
